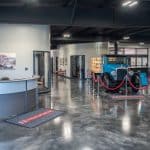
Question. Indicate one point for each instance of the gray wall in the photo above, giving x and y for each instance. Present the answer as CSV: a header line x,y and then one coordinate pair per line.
x,y
22,39
88,49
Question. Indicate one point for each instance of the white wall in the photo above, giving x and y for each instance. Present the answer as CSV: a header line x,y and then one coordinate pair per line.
x,y
88,49
22,39
54,55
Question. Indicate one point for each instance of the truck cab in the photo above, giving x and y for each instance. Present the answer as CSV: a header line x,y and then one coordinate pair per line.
x,y
116,67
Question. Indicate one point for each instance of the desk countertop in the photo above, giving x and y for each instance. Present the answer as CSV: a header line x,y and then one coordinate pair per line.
x,y
18,80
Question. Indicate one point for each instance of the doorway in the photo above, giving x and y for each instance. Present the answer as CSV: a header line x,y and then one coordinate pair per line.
x,y
41,68
77,66
52,65
56,64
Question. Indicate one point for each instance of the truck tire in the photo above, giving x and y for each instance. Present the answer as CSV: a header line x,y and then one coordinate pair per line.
x,y
106,81
135,79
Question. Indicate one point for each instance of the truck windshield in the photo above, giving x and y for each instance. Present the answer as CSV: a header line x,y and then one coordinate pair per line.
x,y
117,60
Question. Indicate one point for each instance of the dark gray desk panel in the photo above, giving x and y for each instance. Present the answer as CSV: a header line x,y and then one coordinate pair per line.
x,y
15,103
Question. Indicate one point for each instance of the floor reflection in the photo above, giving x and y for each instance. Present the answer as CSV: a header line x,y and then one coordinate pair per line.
x,y
86,148
126,123
89,123
67,131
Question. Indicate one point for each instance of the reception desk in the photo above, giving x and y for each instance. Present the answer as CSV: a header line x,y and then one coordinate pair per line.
x,y
17,96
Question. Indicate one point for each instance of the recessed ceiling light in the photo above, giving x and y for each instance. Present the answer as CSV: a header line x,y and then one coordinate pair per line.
x,y
126,37
66,35
133,4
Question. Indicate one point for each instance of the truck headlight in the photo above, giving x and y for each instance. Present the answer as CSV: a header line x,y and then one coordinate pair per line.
x,y
130,73
113,73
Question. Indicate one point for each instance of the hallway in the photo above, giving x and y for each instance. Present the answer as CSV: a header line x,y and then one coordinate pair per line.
x,y
89,123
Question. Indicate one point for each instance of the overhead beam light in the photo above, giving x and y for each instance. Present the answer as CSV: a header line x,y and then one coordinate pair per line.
x,y
126,38
31,2
141,43
66,35
133,4
129,3
126,3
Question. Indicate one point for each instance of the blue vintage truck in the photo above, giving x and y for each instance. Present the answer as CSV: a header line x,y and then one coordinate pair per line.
x,y
131,69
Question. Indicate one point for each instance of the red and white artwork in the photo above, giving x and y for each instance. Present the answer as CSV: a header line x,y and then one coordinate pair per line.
x,y
7,61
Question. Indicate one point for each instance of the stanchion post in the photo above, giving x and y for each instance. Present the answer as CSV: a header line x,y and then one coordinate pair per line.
x,y
89,82
26,95
126,88
98,86
126,106
93,83
37,98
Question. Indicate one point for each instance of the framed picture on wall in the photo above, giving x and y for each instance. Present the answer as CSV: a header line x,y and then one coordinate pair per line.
x,y
7,61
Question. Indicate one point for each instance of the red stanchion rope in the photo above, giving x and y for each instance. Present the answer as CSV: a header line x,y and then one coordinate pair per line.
x,y
105,86
111,89
133,86
120,85
94,79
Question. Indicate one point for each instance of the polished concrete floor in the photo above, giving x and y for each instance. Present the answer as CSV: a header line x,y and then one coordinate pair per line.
x,y
89,122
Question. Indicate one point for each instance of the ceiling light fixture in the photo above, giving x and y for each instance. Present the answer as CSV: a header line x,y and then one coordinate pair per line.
x,y
141,43
66,35
31,2
126,38
133,4
126,3
129,3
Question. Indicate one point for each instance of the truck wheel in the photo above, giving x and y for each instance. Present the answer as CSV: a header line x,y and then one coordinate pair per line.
x,y
106,81
135,79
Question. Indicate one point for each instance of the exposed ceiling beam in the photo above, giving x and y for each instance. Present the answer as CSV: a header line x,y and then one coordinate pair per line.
x,y
67,2
137,39
86,17
138,31
58,42
66,29
12,4
74,11
84,30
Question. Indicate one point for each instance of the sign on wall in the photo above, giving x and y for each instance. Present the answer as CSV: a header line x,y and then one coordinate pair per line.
x,y
7,61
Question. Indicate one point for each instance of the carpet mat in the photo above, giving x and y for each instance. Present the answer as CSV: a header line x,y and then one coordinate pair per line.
x,y
35,118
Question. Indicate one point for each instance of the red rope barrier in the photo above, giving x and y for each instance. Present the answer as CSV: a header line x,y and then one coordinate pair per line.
x,y
105,86
120,85
94,79
133,86
112,89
